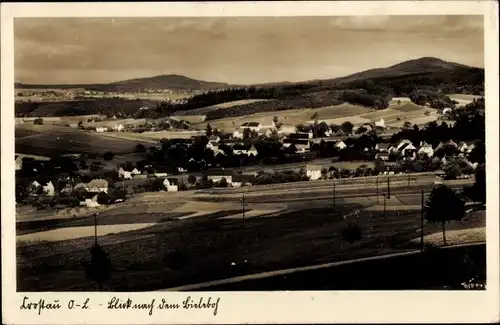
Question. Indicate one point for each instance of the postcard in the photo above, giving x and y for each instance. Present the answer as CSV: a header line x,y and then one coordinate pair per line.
x,y
251,162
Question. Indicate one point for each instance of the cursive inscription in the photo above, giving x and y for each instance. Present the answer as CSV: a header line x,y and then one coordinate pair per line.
x,y
189,303
40,305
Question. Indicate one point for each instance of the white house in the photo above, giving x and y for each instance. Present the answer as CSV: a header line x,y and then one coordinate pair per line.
x,y
384,156
90,203
214,139
101,129
313,172
244,150
125,174
160,174
118,127
237,135
340,145
380,123
216,176
426,149
98,185
447,111
49,189
464,147
383,147
135,171
171,185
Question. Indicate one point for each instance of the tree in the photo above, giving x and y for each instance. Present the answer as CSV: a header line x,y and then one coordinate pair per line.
x,y
361,130
351,233
443,206
38,121
140,148
347,127
108,156
407,125
192,179
223,182
209,130
99,267
480,184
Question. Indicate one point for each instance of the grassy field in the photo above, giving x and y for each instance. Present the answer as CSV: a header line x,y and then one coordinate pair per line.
x,y
51,139
210,242
205,110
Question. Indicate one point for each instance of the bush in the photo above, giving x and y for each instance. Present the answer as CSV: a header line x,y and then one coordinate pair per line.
x,y
38,121
351,233
108,156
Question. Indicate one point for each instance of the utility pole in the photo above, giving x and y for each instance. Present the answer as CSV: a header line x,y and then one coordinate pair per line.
x,y
95,228
422,222
408,180
243,209
334,196
388,188
384,207
377,189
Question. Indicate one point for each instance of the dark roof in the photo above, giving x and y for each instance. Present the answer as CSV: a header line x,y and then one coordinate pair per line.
x,y
251,124
296,141
299,136
242,178
242,147
383,154
173,181
383,145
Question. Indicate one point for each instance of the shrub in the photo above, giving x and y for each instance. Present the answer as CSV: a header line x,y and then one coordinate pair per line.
x,y
108,156
351,233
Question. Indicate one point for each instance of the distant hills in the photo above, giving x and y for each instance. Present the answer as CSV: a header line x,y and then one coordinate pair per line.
x,y
171,81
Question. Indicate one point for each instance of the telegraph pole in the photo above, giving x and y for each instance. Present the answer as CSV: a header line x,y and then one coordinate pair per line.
x,y
422,222
334,196
243,209
384,207
377,189
408,180
388,188
95,228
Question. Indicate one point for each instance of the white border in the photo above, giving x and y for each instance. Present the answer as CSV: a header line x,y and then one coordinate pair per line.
x,y
253,307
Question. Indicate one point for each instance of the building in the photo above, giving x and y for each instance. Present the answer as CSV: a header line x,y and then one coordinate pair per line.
x,y
408,151
216,175
425,149
90,202
465,147
248,150
171,185
101,129
313,171
380,123
237,135
98,185
214,139
239,180
49,189
287,130
340,145
252,126
118,127
384,156
383,147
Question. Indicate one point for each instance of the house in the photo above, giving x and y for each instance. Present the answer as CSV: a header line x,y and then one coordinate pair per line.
x,y
267,132
140,176
90,202
214,139
239,180
98,185
384,156
248,150
101,129
237,135
118,127
465,147
301,146
425,149
216,175
380,123
447,143
19,162
49,189
313,171
401,144
125,174
340,145
135,171
171,185
408,150
383,147
252,126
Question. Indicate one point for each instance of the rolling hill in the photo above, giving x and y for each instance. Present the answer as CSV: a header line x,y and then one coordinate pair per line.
x,y
171,81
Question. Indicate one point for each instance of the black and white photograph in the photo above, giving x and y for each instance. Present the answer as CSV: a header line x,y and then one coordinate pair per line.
x,y
250,153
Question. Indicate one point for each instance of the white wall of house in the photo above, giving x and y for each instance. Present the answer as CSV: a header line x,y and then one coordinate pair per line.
x,y
313,174
427,151
216,179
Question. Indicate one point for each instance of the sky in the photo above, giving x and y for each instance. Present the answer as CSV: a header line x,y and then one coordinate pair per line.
x,y
235,50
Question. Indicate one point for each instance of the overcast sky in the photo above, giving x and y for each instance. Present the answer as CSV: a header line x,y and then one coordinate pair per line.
x,y
235,50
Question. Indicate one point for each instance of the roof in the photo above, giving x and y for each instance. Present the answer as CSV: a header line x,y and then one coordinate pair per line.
x,y
219,172
214,138
242,178
172,181
100,183
383,154
299,135
251,124
242,147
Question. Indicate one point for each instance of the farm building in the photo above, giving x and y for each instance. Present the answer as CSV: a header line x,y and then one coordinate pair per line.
x,y
237,135
287,129
248,150
49,189
380,123
383,147
98,185
101,129
384,156
313,171
340,145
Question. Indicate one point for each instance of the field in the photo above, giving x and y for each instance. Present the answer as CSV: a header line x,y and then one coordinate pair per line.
x,y
210,237
152,137
205,110
46,140
463,99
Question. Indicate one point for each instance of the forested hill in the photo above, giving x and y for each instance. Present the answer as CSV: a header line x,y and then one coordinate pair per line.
x,y
171,81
